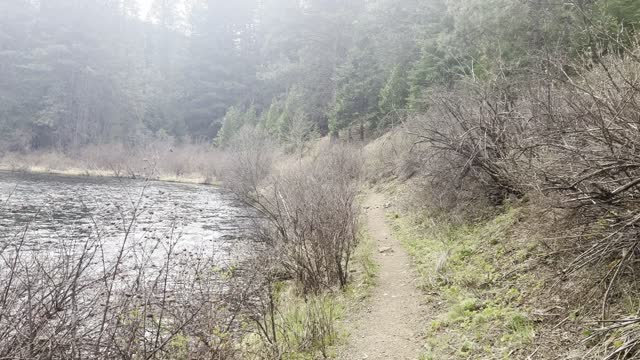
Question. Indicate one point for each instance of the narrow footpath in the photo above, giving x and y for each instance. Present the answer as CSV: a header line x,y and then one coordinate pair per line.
x,y
391,323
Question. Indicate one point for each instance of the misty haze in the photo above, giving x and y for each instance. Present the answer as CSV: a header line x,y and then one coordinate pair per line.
x,y
319,179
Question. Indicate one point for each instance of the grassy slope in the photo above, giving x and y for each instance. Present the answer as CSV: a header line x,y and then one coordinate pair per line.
x,y
480,311
492,293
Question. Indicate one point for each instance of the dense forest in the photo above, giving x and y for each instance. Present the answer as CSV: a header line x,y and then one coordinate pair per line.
x,y
99,71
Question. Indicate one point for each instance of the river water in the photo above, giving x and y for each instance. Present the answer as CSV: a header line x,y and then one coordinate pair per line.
x,y
91,260
50,212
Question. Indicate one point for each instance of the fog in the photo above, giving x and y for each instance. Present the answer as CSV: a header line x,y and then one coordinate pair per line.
x,y
132,71
145,6
501,135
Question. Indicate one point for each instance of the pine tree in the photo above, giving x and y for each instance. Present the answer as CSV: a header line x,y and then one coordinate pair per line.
x,y
393,95
358,86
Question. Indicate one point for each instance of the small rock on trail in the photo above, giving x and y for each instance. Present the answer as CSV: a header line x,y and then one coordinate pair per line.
x,y
391,323
385,250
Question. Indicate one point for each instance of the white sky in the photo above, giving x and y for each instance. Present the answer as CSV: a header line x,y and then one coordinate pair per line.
x,y
145,5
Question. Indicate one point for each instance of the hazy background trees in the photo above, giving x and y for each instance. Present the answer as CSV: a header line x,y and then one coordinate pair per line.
x,y
109,71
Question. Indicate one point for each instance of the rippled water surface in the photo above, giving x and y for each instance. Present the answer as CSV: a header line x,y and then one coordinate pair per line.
x,y
48,212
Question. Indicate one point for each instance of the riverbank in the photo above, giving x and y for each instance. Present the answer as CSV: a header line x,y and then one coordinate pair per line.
x,y
183,165
146,249
195,179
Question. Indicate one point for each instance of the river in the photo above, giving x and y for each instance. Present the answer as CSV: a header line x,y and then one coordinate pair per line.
x,y
45,212
88,264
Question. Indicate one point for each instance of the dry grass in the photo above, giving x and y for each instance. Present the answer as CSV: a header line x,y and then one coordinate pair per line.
x,y
184,163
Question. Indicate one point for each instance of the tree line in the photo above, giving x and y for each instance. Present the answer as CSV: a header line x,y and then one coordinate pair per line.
x,y
93,72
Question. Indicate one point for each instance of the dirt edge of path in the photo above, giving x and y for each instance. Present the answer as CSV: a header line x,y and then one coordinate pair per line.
x,y
391,322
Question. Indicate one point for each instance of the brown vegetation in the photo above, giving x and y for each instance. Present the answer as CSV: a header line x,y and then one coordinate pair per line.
x,y
188,162
570,136
140,298
308,206
308,225
145,299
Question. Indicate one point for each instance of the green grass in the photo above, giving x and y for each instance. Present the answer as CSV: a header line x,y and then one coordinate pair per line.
x,y
365,266
306,328
482,313
309,328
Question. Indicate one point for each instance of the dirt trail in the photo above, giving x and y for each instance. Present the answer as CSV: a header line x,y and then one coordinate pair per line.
x,y
391,324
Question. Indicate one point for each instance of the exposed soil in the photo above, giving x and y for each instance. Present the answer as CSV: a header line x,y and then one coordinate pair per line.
x,y
391,322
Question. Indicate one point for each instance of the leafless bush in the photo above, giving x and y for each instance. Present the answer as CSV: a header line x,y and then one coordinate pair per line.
x,y
117,159
137,299
572,130
308,207
315,217
250,161
625,344
593,161
471,142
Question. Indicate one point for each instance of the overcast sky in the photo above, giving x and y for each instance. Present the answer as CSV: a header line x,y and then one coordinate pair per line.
x,y
145,5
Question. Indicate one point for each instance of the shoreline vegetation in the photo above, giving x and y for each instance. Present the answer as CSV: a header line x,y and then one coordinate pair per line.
x,y
287,309
194,164
317,326
195,179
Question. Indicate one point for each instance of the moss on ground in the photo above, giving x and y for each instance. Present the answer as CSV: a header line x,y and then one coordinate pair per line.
x,y
470,272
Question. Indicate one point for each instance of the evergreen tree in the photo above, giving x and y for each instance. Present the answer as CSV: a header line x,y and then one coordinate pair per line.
x,y
358,86
394,93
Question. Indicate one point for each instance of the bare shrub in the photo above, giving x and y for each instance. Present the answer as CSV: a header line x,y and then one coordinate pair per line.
x,y
592,159
139,298
572,132
250,161
117,159
393,155
308,207
315,217
471,143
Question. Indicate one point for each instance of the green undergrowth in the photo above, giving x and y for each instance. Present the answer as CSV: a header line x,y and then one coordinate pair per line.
x,y
474,276
309,328
366,269
305,327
